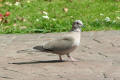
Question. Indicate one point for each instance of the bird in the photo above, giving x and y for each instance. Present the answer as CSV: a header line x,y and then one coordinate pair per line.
x,y
65,44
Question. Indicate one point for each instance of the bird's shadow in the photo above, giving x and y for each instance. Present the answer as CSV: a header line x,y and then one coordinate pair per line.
x,y
37,62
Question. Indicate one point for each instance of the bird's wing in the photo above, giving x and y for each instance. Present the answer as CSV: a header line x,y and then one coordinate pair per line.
x,y
59,44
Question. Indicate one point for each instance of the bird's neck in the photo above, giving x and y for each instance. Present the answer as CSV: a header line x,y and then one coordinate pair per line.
x,y
76,30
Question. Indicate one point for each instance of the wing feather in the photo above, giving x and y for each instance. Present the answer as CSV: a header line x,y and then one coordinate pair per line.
x,y
59,44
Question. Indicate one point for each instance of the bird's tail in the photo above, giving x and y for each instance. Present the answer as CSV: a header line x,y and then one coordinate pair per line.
x,y
40,48
35,49
29,51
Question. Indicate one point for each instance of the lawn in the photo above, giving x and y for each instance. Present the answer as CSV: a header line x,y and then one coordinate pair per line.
x,y
43,16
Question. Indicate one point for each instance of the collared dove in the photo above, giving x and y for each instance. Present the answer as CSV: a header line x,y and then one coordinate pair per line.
x,y
66,44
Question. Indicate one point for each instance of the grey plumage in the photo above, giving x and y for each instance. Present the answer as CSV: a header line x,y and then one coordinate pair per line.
x,y
66,44
57,46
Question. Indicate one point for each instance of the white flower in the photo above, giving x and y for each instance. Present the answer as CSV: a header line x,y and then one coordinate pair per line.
x,y
8,3
118,17
53,19
17,3
37,20
28,1
97,20
45,13
46,17
101,14
114,21
107,19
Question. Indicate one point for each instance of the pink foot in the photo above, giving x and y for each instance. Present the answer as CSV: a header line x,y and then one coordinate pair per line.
x,y
71,58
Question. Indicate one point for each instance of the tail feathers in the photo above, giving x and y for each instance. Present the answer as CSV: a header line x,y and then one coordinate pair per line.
x,y
39,48
27,51
35,49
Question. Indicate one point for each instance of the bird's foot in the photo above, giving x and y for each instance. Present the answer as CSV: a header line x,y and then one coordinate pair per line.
x,y
71,58
74,60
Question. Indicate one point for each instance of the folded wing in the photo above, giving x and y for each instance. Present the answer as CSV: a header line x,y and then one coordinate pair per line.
x,y
57,45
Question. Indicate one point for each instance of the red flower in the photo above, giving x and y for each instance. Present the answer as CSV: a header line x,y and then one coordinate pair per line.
x,y
7,14
1,15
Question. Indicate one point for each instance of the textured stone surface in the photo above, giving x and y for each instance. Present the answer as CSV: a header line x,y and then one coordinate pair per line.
x,y
99,55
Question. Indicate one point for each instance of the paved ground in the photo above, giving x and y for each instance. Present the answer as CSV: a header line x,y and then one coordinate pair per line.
x,y
99,55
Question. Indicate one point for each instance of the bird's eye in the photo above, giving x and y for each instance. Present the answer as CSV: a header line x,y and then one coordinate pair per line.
x,y
77,23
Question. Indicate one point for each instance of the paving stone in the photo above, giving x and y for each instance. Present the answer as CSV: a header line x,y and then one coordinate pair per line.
x,y
98,55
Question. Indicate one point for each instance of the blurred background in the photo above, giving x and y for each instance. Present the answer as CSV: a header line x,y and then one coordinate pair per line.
x,y
44,16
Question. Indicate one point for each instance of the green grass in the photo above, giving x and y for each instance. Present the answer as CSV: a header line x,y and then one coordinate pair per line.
x,y
23,18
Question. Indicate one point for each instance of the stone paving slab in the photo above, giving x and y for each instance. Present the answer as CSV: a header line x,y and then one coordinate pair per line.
x,y
98,55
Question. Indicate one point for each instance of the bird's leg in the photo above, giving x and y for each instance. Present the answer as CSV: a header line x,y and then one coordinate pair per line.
x,y
70,57
60,58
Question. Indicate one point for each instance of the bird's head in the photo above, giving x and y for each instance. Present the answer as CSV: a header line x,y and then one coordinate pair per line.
x,y
77,24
